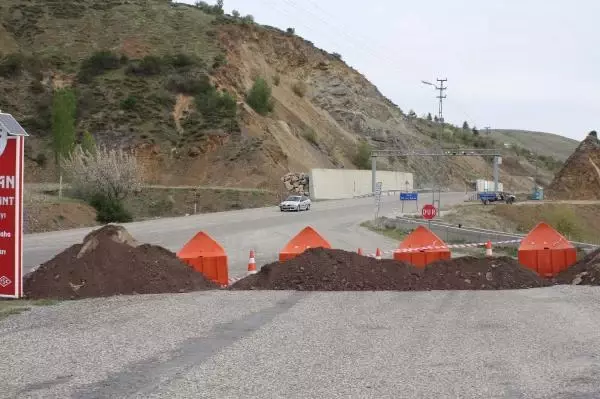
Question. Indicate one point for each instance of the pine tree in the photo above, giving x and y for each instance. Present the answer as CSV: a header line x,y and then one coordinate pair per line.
x,y
465,125
63,124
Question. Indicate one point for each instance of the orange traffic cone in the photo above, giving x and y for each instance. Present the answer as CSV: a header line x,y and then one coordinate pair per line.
x,y
360,251
488,248
252,264
378,254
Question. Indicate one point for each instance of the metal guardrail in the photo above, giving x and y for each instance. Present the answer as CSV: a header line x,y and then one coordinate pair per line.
x,y
449,232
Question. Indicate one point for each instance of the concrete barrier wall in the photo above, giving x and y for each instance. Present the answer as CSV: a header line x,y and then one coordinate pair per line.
x,y
345,183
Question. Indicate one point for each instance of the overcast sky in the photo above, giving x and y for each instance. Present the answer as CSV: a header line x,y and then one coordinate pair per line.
x,y
523,64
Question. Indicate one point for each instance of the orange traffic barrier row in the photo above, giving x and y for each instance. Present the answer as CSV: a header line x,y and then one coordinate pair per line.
x,y
543,250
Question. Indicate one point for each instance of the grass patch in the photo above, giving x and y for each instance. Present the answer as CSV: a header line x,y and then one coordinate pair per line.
x,y
395,234
11,307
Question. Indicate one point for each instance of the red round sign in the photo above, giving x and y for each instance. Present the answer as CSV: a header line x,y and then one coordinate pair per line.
x,y
429,212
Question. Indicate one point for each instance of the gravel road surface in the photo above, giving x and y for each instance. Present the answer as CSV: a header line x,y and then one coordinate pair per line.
x,y
266,230
538,343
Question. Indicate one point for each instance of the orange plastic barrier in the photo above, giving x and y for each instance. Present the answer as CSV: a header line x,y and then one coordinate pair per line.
x,y
206,256
307,238
546,251
422,237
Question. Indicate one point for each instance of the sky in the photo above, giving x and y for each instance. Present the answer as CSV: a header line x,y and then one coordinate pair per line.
x,y
510,64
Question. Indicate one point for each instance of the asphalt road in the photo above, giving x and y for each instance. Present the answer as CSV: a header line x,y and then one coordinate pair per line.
x,y
538,343
266,230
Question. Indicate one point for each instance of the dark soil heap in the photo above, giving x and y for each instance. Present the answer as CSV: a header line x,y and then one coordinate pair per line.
x,y
470,273
335,270
110,262
584,272
322,269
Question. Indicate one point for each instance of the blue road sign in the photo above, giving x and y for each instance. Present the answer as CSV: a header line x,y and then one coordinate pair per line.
x,y
409,196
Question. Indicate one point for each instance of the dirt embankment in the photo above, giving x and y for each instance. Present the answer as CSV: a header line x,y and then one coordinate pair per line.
x,y
110,262
335,270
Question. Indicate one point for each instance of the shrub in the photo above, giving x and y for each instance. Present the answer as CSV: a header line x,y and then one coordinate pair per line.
x,y
110,210
189,85
41,160
259,97
98,63
290,31
311,136
11,65
362,157
219,61
337,56
248,19
276,80
218,109
181,60
112,174
129,103
235,14
148,66
88,144
299,89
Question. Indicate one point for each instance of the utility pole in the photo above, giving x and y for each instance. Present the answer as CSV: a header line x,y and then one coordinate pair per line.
x,y
487,130
440,97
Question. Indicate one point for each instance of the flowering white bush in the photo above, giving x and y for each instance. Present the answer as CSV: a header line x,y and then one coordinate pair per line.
x,y
111,173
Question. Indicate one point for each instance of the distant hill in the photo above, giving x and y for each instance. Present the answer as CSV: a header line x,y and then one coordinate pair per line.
x,y
547,144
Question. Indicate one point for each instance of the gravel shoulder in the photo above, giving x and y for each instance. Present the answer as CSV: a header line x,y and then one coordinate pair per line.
x,y
536,343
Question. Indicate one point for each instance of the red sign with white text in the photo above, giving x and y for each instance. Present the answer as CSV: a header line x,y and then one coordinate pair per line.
x,y
429,212
11,217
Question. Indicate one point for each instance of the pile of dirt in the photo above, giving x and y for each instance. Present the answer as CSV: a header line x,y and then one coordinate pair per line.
x,y
584,272
579,178
335,270
470,273
321,269
110,262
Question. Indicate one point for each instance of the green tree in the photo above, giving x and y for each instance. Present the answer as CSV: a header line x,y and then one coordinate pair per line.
x,y
64,105
475,131
362,158
88,144
465,125
429,118
259,97
235,13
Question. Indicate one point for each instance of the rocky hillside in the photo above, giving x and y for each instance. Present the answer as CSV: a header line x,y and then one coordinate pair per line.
x,y
170,81
579,179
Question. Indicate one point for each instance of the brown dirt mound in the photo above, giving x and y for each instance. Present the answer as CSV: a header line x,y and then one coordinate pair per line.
x,y
322,269
579,178
109,262
584,272
335,270
470,273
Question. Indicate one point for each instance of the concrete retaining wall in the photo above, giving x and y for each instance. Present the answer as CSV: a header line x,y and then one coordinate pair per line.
x,y
344,183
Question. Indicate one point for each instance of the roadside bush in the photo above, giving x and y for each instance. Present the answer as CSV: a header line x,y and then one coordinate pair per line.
x,y
98,63
362,157
110,210
112,174
11,65
299,88
259,97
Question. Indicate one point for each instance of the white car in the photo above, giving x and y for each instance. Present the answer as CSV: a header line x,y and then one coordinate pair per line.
x,y
295,203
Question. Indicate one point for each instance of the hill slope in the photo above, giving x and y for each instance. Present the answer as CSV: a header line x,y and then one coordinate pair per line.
x,y
150,75
547,144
